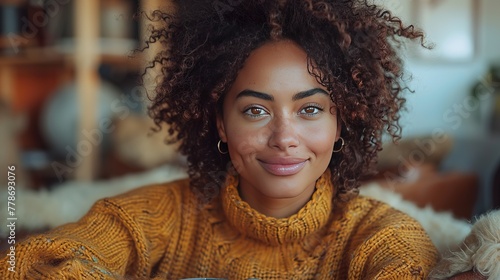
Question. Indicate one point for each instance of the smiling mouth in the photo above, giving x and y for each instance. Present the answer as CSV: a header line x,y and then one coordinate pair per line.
x,y
283,169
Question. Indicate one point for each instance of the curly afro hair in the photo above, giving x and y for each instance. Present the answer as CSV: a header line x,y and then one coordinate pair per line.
x,y
351,47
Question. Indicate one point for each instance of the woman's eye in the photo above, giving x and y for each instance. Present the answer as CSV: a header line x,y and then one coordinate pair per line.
x,y
255,112
311,110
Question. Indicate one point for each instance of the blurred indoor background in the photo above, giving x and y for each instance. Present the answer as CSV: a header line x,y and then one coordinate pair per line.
x,y
73,105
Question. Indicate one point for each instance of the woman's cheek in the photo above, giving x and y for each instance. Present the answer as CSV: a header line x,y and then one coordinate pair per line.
x,y
249,140
320,138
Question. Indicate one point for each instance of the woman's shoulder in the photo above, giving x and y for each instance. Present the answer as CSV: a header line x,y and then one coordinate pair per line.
x,y
378,214
399,246
164,197
158,191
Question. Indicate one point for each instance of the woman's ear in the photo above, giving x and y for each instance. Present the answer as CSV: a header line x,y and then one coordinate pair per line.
x,y
220,128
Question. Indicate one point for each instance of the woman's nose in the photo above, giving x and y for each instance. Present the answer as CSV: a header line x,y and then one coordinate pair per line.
x,y
283,134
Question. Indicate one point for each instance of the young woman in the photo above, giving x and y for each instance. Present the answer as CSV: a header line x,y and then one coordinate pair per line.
x,y
279,107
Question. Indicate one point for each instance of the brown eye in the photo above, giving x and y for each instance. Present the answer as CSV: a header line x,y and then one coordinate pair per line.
x,y
256,111
309,110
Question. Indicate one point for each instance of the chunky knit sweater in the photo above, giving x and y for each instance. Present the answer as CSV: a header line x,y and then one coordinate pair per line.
x,y
163,232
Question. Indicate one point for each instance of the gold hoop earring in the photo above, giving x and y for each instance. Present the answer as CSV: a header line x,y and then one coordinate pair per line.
x,y
341,146
218,148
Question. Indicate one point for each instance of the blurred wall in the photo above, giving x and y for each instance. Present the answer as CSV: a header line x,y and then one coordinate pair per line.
x,y
442,87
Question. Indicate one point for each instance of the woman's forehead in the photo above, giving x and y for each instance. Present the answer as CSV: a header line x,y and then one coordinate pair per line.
x,y
276,66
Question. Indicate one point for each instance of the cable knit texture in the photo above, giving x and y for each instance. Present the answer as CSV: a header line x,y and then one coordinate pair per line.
x,y
163,232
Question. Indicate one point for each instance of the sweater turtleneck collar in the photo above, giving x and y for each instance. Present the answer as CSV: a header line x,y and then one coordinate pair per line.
x,y
273,231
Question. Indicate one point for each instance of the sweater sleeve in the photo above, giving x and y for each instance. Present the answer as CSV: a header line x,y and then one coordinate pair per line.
x,y
121,236
391,245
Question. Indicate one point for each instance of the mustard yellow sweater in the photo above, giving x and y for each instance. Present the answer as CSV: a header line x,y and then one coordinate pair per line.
x,y
163,232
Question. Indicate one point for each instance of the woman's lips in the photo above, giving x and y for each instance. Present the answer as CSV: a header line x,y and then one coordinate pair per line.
x,y
282,167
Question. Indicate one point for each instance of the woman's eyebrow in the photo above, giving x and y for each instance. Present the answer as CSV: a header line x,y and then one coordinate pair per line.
x,y
252,93
265,96
307,93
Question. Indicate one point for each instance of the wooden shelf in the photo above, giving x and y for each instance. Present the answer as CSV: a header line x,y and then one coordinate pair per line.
x,y
37,56
82,56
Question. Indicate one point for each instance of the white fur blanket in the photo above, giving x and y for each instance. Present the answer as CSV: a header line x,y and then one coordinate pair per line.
x,y
71,200
480,251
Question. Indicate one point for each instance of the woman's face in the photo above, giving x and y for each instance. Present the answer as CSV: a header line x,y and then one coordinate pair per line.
x,y
280,125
